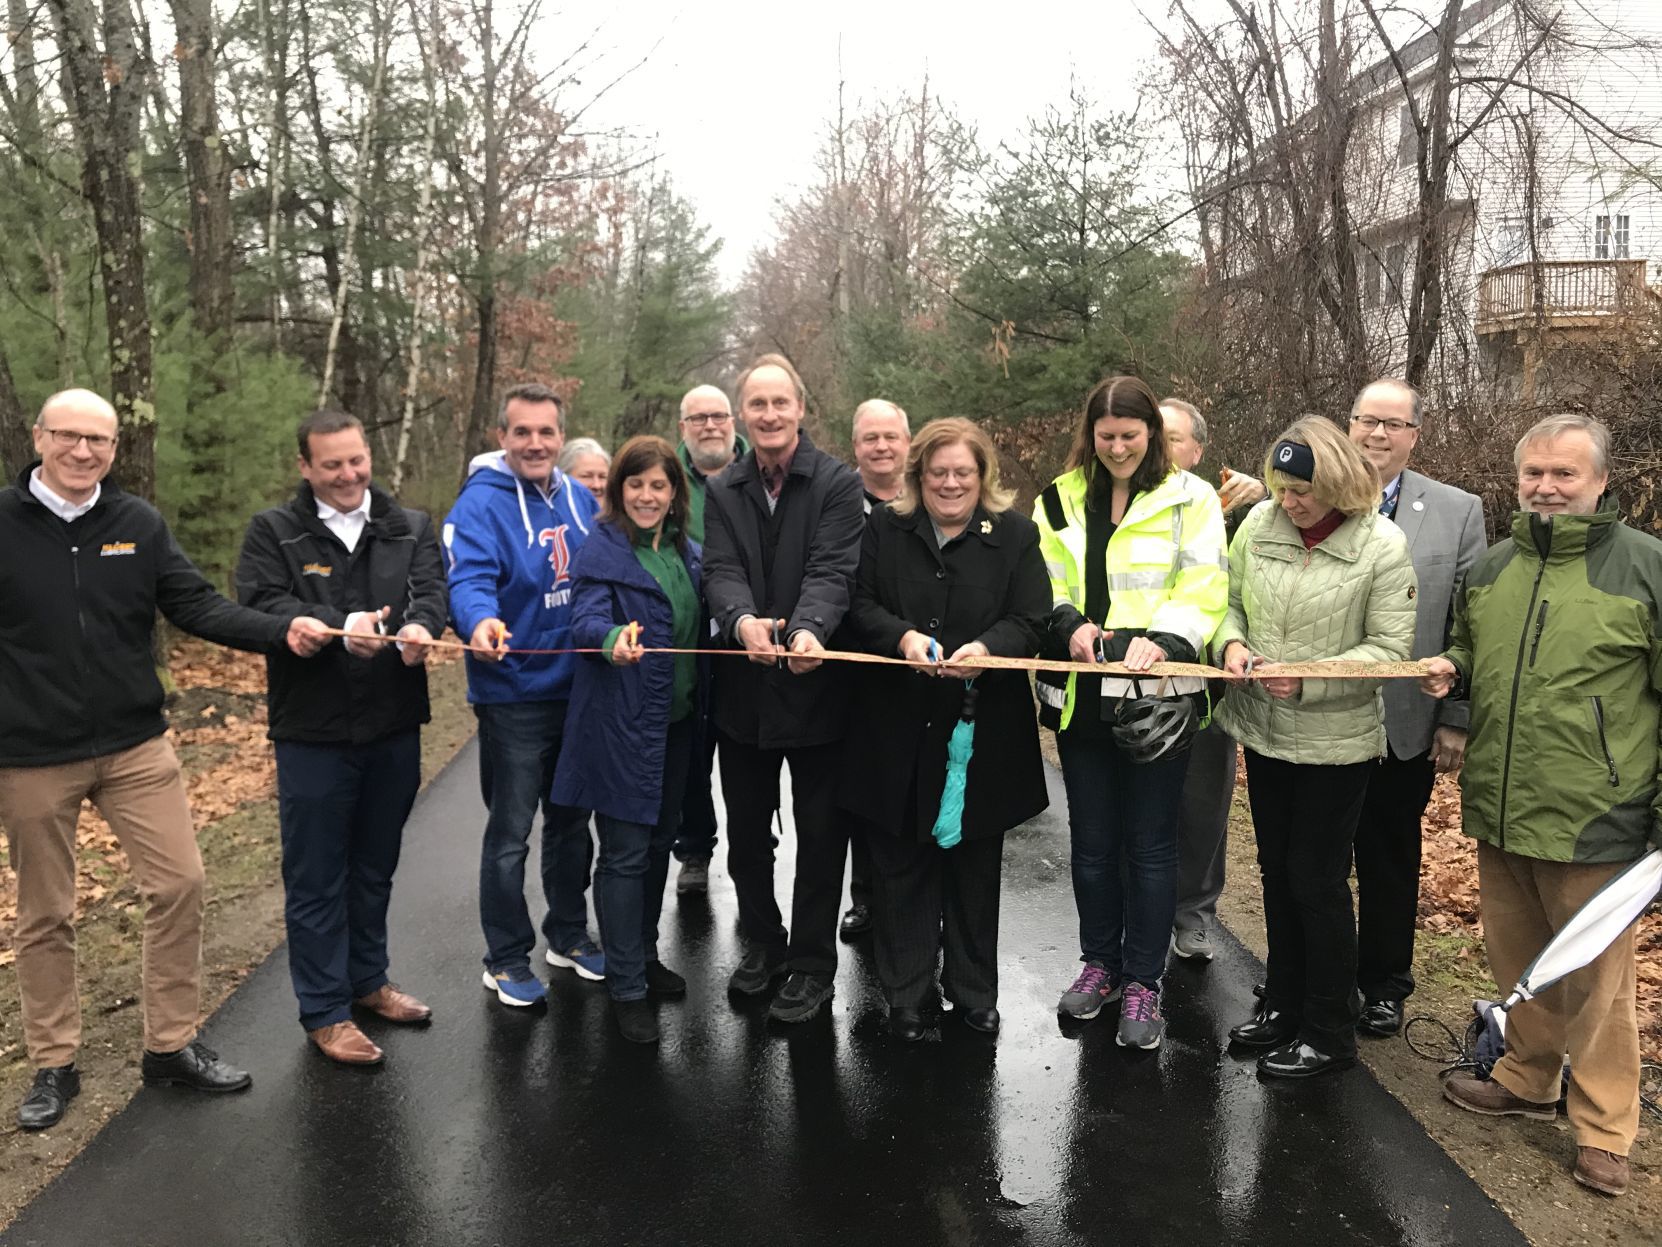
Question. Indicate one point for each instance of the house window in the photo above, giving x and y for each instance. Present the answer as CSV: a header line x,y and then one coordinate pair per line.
x,y
1511,241
1610,237
1370,281
1408,139
1396,260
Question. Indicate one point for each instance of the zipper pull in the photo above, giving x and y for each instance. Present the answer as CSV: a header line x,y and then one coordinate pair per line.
x,y
1540,623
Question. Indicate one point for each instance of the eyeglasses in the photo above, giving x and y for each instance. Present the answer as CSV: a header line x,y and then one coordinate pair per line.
x,y
698,422
938,476
69,437
1393,427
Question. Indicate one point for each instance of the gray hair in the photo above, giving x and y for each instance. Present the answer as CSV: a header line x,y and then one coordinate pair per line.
x,y
1197,422
1553,427
705,391
1415,402
580,447
531,392
878,406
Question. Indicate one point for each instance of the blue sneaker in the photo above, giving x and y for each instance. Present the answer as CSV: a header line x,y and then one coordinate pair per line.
x,y
586,958
517,987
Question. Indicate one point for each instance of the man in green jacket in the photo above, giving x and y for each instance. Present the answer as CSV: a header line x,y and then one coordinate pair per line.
x,y
709,443
1556,639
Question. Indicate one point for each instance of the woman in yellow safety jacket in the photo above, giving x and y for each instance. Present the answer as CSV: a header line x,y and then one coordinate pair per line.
x,y
1135,552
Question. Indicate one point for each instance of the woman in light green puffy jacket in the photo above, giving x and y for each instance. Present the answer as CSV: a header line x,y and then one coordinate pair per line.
x,y
1315,572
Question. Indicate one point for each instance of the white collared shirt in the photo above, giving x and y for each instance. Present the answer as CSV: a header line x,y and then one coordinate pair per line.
x,y
63,509
347,525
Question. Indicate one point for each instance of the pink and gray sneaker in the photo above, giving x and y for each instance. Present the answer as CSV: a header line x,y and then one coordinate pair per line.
x,y
1141,1023
1094,987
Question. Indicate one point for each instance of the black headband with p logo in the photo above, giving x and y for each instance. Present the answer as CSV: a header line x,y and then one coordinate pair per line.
x,y
1294,459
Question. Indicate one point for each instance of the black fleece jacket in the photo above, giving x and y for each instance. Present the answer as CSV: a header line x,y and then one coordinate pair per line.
x,y
78,605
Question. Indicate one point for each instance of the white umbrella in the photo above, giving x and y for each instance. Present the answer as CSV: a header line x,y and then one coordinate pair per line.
x,y
1594,928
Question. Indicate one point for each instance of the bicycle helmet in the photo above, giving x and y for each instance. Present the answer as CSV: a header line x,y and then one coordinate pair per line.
x,y
1151,728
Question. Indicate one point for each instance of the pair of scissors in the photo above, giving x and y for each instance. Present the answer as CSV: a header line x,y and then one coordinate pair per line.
x,y
778,643
934,652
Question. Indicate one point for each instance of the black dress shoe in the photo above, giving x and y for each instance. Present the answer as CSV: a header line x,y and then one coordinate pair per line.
x,y
664,982
1380,1018
636,1020
196,1066
984,1020
1268,1028
907,1025
53,1090
1300,1060
857,921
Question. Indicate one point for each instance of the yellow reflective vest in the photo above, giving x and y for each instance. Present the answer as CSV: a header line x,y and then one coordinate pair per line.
x,y
1168,569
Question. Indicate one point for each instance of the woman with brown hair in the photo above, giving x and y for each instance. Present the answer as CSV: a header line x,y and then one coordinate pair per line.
x,y
629,762
1315,572
1135,552
947,572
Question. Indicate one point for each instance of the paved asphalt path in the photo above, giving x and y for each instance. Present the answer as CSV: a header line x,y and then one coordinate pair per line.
x,y
501,1126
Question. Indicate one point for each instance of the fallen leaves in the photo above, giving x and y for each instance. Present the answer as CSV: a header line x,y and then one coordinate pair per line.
x,y
237,767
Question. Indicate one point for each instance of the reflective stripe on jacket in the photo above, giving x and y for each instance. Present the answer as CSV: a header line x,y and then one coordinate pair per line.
x,y
1167,569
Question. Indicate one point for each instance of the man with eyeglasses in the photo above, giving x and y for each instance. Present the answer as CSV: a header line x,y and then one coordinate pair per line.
x,y
87,568
882,438
709,442
1444,527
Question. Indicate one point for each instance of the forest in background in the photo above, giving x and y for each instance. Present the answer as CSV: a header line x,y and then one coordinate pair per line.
x,y
224,215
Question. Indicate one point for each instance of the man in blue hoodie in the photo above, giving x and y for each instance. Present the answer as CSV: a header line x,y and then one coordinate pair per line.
x,y
511,538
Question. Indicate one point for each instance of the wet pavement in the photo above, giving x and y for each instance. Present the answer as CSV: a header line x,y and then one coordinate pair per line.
x,y
501,1126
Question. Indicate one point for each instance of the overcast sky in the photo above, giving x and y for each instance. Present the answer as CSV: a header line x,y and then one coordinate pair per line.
x,y
736,92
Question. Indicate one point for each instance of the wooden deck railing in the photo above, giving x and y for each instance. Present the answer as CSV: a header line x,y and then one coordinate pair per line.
x,y
1572,294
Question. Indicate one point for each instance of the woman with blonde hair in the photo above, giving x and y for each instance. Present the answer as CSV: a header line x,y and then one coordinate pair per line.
x,y
1315,572
947,572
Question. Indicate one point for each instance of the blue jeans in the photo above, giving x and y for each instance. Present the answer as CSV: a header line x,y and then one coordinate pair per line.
x,y
629,881
342,810
519,743
1122,817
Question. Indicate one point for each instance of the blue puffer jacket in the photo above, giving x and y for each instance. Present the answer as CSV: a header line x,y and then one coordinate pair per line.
x,y
612,762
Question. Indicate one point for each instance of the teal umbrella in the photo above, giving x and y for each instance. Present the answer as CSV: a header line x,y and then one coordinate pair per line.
x,y
949,823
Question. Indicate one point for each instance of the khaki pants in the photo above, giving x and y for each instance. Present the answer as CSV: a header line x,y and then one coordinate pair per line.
x,y
141,792
1589,1015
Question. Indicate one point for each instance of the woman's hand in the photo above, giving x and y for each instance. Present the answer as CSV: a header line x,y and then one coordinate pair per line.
x,y
1237,658
1082,644
1143,653
627,648
915,647
1280,687
970,649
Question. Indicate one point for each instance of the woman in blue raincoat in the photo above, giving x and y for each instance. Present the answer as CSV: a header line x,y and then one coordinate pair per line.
x,y
638,712
947,571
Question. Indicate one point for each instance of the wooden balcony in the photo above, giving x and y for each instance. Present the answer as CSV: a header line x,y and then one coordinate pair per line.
x,y
1561,295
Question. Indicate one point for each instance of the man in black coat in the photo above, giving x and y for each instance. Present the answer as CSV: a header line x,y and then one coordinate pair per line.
x,y
782,529
348,726
87,567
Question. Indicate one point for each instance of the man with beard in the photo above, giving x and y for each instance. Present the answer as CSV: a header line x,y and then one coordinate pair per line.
x,y
709,442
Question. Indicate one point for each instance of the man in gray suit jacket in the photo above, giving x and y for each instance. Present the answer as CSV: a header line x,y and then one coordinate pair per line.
x,y
1444,527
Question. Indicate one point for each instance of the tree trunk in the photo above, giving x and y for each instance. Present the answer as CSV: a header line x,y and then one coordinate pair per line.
x,y
107,87
489,238
354,209
424,252
16,446
1425,304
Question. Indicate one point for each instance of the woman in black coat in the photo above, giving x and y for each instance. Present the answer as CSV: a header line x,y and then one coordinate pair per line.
x,y
947,571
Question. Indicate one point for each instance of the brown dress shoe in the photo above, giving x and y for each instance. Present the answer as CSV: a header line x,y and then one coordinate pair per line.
x,y
1486,1096
343,1042
394,1005
1603,1171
